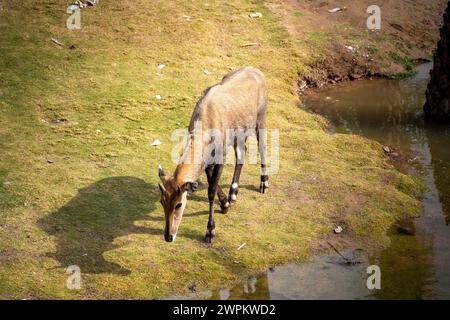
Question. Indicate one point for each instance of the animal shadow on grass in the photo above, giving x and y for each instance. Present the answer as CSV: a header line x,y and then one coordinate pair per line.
x,y
86,226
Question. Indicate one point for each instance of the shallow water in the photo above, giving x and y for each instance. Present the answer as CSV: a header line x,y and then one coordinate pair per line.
x,y
413,266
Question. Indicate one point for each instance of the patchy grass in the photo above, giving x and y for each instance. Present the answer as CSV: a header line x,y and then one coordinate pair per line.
x,y
403,60
92,111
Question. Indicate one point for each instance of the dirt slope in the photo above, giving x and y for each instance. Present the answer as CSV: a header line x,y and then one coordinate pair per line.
x,y
408,34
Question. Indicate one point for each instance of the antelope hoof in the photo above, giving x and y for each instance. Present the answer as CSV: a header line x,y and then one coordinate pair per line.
x,y
224,207
264,186
209,236
232,198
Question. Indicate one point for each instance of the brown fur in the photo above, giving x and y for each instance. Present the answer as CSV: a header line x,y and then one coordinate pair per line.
x,y
237,102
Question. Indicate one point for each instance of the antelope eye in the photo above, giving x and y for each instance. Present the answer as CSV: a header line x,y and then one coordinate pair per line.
x,y
178,206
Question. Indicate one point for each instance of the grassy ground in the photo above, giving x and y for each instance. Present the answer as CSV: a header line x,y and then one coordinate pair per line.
x,y
92,111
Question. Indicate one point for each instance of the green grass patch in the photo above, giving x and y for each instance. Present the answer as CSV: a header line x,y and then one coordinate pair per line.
x,y
76,130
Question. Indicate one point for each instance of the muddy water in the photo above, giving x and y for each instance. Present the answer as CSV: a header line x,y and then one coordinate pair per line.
x,y
418,266
413,266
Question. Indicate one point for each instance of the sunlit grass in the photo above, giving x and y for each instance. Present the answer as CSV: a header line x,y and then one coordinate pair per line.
x,y
92,111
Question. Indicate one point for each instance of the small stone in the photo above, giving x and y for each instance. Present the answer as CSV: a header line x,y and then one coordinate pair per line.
x,y
156,143
335,10
255,15
350,48
338,230
193,287
50,161
207,72
387,149
405,230
158,97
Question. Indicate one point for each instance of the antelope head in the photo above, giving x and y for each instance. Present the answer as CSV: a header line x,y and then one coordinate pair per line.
x,y
173,200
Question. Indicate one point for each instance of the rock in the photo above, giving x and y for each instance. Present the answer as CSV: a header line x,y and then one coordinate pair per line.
x,y
193,287
386,149
335,10
156,143
437,105
338,230
255,15
350,48
405,230
50,161
158,97
161,66
207,72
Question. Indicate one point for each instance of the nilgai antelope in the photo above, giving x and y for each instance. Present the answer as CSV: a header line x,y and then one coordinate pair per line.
x,y
234,106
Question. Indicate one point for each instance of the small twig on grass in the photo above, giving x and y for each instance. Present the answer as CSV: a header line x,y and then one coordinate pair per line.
x,y
241,246
55,41
128,117
250,44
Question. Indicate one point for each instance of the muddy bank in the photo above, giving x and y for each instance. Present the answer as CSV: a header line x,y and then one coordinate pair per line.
x,y
344,49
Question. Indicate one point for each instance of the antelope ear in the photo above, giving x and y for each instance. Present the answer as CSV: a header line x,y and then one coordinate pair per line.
x,y
161,188
190,187
161,173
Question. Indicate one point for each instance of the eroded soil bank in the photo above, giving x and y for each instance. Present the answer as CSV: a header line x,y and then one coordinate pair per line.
x,y
347,50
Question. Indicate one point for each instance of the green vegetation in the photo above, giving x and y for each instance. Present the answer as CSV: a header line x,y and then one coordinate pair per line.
x,y
78,178
405,61
298,14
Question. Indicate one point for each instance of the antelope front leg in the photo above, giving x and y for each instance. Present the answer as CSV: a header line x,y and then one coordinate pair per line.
x,y
213,173
239,151
264,185
262,142
234,189
223,200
